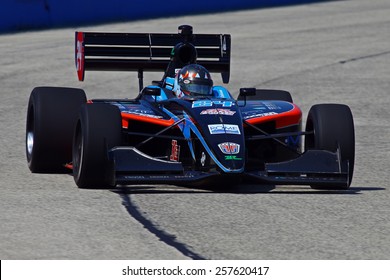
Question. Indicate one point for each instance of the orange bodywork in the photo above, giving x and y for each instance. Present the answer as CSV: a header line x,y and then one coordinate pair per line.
x,y
126,117
286,119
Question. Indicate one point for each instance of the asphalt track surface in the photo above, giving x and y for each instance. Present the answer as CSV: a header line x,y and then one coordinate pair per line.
x,y
336,52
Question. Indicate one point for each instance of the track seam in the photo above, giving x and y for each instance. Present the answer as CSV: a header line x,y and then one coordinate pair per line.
x,y
165,237
354,59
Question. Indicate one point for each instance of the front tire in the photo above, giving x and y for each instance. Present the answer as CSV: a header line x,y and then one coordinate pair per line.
x,y
333,128
97,131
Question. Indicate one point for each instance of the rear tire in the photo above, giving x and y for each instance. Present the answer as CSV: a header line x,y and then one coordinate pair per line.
x,y
333,128
98,130
51,115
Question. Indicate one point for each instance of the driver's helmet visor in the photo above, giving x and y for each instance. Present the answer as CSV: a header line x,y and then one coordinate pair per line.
x,y
203,88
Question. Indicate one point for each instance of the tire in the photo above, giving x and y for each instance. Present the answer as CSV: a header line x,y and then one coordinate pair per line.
x,y
333,128
98,130
269,94
51,115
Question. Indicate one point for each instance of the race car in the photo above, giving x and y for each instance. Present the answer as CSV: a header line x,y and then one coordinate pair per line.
x,y
159,138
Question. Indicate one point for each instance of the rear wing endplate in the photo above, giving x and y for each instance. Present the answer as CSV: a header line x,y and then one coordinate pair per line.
x,y
149,52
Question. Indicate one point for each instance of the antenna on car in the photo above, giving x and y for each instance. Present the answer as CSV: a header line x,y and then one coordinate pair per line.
x,y
183,53
186,32
187,35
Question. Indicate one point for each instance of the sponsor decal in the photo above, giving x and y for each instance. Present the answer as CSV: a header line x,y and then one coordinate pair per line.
x,y
264,109
158,177
232,157
175,153
224,128
293,141
272,106
210,103
251,116
186,176
135,177
218,111
143,113
203,159
229,148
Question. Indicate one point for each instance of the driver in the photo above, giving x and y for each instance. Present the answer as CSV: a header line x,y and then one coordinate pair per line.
x,y
193,80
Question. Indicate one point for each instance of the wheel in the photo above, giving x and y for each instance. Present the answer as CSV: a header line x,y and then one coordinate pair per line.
x,y
51,115
269,94
333,128
98,130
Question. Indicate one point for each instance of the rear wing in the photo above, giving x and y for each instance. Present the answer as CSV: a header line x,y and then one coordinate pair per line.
x,y
151,52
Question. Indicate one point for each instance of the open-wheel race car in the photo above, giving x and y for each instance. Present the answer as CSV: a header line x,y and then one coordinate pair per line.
x,y
182,129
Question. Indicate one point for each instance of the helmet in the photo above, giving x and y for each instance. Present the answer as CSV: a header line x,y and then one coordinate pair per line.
x,y
193,80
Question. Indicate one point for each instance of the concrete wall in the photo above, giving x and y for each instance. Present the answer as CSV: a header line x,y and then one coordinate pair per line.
x,y
17,15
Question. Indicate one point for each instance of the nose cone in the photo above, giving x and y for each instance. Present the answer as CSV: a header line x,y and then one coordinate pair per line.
x,y
232,155
222,128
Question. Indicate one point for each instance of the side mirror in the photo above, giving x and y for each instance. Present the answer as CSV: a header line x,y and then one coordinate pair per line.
x,y
153,91
244,93
247,91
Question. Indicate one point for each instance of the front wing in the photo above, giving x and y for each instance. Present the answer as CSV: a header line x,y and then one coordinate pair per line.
x,y
314,167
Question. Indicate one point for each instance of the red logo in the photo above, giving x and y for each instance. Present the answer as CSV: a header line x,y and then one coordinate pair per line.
x,y
229,148
218,111
80,55
175,151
